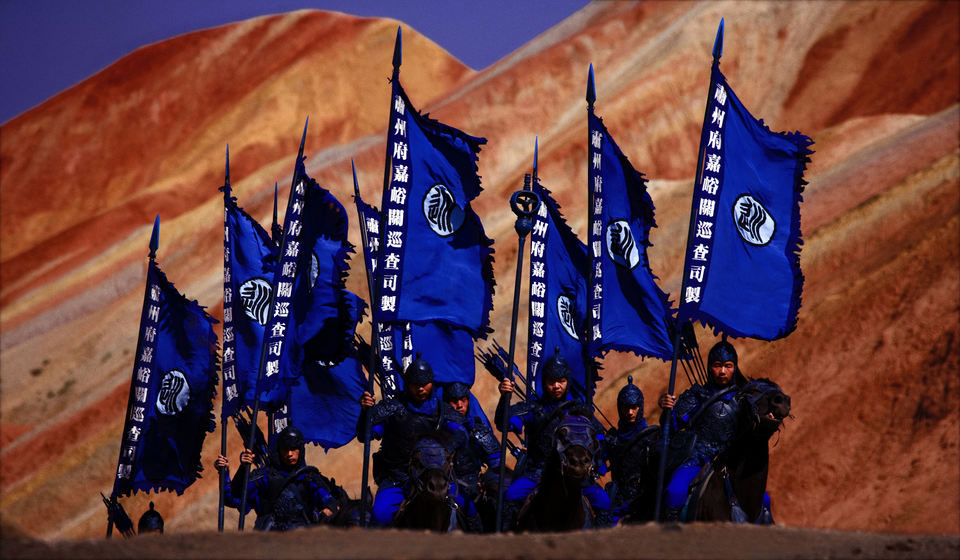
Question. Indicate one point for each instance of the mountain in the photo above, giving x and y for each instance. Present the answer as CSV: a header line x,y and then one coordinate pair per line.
x,y
871,368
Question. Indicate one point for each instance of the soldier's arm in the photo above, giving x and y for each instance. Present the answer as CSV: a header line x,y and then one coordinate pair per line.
x,y
488,444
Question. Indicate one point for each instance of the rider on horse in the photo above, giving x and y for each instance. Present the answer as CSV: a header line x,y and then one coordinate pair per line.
x,y
539,419
482,447
706,412
400,423
629,445
286,493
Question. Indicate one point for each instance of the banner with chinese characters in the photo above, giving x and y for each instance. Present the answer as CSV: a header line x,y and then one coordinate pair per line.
x,y
742,264
171,395
559,271
447,275
628,310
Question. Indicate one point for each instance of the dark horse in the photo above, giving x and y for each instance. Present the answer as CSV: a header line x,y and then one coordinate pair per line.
x,y
734,488
429,504
761,407
558,503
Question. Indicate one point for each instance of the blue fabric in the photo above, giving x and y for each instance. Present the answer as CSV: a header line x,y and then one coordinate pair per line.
x,y
559,272
630,312
742,272
250,260
172,391
448,275
448,350
321,308
521,487
386,504
680,484
324,405
597,496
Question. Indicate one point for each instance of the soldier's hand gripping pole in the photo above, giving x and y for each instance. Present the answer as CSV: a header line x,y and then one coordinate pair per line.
x,y
524,204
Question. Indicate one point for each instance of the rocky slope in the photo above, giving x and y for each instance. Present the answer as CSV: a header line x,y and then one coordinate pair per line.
x,y
872,367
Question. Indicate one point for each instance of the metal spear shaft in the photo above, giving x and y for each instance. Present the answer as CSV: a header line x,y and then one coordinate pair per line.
x,y
524,204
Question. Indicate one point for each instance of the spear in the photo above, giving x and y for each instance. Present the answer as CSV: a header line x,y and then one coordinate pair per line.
x,y
275,230
588,364
263,344
374,352
524,204
223,425
154,245
717,52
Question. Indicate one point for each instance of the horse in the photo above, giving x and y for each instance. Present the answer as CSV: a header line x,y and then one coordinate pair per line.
x,y
734,488
429,504
558,503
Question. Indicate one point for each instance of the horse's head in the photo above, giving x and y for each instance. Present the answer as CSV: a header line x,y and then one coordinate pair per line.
x,y
767,404
575,441
430,466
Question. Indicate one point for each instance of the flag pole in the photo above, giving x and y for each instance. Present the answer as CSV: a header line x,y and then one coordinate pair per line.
x,y
263,344
154,245
530,389
717,53
223,423
588,363
524,204
374,352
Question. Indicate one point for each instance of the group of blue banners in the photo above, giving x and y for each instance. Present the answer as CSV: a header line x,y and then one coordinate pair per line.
x,y
289,325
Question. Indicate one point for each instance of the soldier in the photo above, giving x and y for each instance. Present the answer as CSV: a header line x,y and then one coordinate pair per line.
x,y
286,493
400,423
538,420
630,446
708,411
150,522
482,447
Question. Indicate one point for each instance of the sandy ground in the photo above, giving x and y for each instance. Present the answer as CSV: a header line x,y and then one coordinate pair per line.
x,y
698,541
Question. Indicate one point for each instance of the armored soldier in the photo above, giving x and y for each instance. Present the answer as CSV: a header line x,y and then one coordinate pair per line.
x,y
400,423
286,493
539,419
629,446
707,412
482,446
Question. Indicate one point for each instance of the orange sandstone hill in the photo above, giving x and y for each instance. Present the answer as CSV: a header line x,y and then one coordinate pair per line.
x,y
872,367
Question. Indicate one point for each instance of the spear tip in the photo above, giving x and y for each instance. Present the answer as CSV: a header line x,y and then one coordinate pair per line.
x,y
155,238
718,42
591,89
356,186
397,52
536,151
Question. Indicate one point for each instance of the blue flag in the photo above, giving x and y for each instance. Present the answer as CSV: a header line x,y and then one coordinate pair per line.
x,y
249,262
448,275
742,268
559,272
324,402
448,350
629,311
171,394
390,337
321,310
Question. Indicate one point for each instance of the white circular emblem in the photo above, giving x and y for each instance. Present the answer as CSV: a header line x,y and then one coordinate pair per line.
x,y
565,312
755,224
441,210
620,245
174,393
255,298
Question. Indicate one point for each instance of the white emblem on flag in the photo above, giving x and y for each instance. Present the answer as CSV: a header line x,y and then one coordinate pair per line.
x,y
314,269
565,312
441,210
255,298
620,245
755,224
174,393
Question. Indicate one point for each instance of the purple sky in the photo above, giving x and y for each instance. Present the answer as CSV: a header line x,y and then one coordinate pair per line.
x,y
47,46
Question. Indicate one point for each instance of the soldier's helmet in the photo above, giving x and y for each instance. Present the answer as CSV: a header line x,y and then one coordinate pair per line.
x,y
556,367
722,351
630,395
418,372
290,438
455,390
150,522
